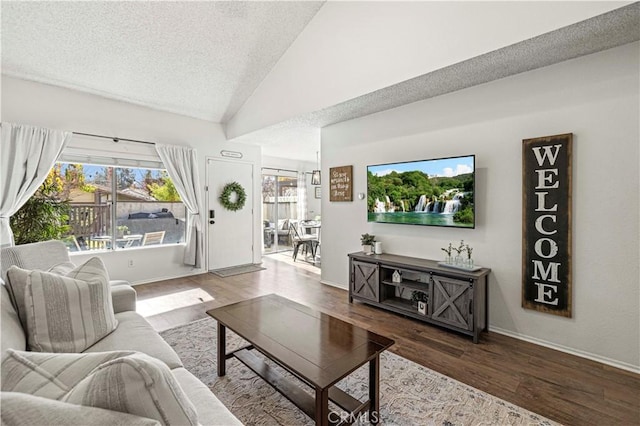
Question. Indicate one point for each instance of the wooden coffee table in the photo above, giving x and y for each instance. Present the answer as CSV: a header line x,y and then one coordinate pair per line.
x,y
315,347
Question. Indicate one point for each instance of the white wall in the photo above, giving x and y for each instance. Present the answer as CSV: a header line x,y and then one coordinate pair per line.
x,y
48,106
350,49
595,97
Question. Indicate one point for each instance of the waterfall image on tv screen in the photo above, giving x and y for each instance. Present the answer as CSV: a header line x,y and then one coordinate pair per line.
x,y
436,192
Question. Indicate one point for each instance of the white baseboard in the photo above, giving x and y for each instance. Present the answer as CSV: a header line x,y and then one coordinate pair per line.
x,y
168,277
332,284
583,354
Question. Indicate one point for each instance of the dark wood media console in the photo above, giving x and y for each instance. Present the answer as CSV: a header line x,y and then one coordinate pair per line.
x,y
457,299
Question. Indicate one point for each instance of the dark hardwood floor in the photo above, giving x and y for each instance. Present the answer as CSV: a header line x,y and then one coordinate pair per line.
x,y
562,387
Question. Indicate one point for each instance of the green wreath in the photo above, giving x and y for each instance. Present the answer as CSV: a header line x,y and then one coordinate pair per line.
x,y
225,197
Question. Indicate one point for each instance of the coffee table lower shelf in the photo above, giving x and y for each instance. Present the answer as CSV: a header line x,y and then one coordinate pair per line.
x,y
298,396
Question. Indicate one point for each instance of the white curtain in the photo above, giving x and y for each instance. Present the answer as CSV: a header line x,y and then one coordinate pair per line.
x,y
26,156
302,196
182,164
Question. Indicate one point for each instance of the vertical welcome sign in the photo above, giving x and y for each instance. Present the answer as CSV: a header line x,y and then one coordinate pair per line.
x,y
546,224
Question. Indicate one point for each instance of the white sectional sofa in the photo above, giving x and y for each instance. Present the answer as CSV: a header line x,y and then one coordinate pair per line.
x,y
133,333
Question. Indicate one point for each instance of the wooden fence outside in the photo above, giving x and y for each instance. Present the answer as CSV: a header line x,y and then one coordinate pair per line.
x,y
90,219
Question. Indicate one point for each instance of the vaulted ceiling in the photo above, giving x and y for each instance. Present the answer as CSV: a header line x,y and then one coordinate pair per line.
x,y
200,59
273,73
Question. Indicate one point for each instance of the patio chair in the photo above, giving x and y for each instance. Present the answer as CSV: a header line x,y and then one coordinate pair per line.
x,y
151,238
284,231
308,242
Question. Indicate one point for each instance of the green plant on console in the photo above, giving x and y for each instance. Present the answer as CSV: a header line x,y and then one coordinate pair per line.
x,y
447,250
367,239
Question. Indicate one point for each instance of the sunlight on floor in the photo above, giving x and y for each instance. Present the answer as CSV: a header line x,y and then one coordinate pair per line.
x,y
287,258
170,302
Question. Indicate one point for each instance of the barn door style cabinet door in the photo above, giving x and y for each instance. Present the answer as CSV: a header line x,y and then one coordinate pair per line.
x,y
453,301
364,281
451,298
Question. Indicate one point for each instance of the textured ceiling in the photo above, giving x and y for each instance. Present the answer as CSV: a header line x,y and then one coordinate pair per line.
x,y
204,59
615,28
201,59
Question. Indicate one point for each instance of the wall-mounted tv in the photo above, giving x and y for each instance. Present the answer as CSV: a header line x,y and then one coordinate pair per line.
x,y
435,192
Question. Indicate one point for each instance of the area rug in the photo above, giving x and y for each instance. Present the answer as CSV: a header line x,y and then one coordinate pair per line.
x,y
409,393
237,270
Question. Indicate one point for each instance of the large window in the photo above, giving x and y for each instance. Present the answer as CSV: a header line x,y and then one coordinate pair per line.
x,y
91,207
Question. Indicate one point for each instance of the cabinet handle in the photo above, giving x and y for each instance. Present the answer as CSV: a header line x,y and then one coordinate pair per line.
x,y
470,307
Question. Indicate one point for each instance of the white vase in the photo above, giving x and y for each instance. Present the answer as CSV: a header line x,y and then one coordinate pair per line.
x,y
377,248
366,249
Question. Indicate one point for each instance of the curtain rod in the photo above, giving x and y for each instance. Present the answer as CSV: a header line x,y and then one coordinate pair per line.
x,y
115,139
279,170
285,170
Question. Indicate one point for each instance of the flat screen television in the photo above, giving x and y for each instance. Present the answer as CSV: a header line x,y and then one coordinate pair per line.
x,y
435,192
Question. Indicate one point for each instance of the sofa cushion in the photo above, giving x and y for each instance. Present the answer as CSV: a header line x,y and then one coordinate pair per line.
x,y
68,313
123,297
134,333
11,332
136,384
42,256
19,409
211,412
50,375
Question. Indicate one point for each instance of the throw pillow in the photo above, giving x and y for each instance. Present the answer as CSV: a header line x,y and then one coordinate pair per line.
x,y
69,313
125,381
19,409
16,282
50,375
62,268
136,384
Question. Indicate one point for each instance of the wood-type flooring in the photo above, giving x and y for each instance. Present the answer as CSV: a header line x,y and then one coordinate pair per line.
x,y
565,388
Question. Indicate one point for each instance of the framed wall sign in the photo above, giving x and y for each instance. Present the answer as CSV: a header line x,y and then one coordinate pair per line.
x,y
341,183
546,224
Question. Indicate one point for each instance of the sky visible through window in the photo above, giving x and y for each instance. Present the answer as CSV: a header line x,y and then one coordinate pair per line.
x,y
437,167
91,172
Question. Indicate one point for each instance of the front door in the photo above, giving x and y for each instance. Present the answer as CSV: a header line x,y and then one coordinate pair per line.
x,y
230,233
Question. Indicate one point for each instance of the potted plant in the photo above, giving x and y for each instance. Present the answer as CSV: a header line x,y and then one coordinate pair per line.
x,y
459,261
469,263
122,230
43,217
367,241
448,259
